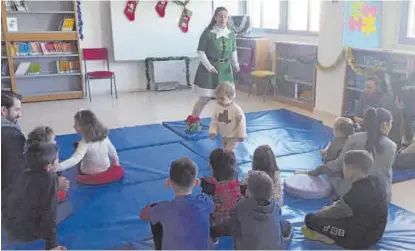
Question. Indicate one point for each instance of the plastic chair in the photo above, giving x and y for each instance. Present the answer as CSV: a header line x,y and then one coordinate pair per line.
x,y
98,54
265,75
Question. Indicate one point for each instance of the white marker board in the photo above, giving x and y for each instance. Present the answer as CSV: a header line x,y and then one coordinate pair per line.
x,y
149,35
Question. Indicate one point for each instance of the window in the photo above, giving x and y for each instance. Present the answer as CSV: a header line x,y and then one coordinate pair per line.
x,y
407,29
234,7
285,16
264,13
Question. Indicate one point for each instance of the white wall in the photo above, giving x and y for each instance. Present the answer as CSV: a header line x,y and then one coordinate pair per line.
x,y
329,91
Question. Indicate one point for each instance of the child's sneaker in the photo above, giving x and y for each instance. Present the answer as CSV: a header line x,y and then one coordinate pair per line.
x,y
286,230
315,236
193,124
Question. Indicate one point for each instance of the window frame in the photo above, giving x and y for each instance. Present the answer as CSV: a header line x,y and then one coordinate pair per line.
x,y
283,29
403,30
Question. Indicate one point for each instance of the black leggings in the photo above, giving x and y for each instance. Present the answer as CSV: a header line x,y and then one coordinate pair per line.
x,y
345,232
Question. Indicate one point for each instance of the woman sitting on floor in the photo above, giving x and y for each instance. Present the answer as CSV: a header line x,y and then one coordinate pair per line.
x,y
98,157
377,123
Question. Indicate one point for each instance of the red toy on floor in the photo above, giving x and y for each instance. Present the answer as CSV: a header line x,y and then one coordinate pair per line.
x,y
113,174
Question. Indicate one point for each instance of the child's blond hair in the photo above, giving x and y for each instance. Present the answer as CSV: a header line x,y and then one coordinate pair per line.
x,y
344,125
225,89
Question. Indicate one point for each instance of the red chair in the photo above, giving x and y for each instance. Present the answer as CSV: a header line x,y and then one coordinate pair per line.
x,y
98,54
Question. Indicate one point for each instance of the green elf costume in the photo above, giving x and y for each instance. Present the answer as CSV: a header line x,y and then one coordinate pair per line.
x,y
216,50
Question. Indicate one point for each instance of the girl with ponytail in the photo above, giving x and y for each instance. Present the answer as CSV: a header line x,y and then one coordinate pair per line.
x,y
377,124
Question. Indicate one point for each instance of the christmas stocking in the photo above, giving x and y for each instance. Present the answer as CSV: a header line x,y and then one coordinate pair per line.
x,y
129,10
184,20
161,8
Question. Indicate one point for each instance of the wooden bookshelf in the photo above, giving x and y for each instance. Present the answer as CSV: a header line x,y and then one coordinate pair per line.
x,y
296,73
397,64
39,23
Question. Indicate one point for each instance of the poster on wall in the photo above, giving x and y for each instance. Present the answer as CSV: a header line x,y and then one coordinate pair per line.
x,y
363,24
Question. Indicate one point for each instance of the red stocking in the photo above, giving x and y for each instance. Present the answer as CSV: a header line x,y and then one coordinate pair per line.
x,y
161,8
129,10
184,20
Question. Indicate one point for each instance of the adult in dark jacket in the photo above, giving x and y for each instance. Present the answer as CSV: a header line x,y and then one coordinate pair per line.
x,y
12,140
377,95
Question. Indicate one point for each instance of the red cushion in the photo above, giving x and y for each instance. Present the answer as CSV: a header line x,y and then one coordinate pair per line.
x,y
61,196
100,74
114,173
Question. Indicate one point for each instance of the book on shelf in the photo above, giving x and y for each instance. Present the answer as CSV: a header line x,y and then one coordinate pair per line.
x,y
41,48
34,69
65,66
5,69
12,24
66,24
22,68
16,5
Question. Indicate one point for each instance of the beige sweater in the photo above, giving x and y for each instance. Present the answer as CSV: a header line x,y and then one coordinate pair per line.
x,y
228,121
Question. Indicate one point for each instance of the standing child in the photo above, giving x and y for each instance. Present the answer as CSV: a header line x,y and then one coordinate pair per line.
x,y
47,135
228,120
183,223
256,219
95,151
30,211
264,160
358,219
224,188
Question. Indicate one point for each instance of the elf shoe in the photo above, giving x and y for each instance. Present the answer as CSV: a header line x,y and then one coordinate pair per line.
x,y
193,124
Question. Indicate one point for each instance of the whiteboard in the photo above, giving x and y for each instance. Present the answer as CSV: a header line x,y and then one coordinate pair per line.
x,y
152,36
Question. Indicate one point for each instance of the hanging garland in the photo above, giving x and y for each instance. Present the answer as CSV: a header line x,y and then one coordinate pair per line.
x,y
149,61
351,61
80,22
347,53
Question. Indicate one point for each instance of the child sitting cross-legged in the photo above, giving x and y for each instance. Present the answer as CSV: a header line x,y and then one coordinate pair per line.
x,y
264,160
256,219
30,211
224,188
47,135
342,129
358,219
184,222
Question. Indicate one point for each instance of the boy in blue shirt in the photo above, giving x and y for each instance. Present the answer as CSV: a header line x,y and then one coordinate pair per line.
x,y
184,222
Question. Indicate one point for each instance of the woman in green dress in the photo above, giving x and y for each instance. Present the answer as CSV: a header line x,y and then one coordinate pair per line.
x,y
217,53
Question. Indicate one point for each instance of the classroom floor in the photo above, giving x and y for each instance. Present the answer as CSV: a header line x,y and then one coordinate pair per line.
x,y
155,107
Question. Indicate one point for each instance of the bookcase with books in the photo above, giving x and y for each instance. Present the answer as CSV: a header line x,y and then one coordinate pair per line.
x,y
42,45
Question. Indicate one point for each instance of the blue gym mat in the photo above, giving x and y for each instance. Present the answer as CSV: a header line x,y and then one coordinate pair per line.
x,y
107,217
255,121
283,142
124,138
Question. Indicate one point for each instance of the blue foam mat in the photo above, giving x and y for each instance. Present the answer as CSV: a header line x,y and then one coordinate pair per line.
x,y
284,142
107,217
125,138
255,121
402,175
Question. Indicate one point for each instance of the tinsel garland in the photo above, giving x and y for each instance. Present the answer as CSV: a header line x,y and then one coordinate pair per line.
x,y
347,53
80,22
148,61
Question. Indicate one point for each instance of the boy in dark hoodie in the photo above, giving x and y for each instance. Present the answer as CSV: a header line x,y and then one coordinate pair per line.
x,y
256,219
30,211
12,140
358,219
